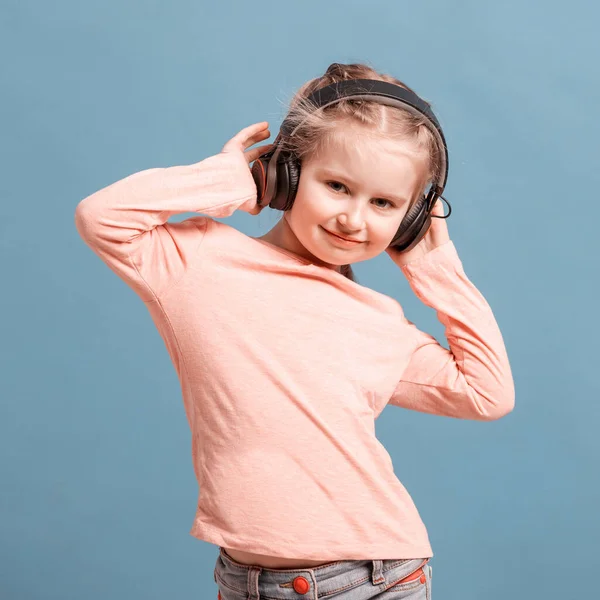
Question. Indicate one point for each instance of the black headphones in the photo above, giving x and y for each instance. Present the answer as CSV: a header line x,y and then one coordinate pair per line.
x,y
277,172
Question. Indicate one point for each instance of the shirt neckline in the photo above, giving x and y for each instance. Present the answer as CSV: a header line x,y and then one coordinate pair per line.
x,y
295,257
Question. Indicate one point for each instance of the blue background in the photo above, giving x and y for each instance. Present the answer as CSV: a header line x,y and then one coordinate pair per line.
x,y
98,492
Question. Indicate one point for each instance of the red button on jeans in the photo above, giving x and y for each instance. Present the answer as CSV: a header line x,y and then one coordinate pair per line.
x,y
301,585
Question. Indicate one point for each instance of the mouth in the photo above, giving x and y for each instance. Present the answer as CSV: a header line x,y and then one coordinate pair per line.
x,y
342,240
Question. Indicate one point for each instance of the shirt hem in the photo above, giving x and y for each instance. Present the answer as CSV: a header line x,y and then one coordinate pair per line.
x,y
297,550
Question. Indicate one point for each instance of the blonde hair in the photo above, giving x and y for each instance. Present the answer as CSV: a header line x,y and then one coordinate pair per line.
x,y
316,129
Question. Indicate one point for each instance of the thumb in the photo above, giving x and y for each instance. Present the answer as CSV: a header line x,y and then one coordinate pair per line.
x,y
438,208
255,210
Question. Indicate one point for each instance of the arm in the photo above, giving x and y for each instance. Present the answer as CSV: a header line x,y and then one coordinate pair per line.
x,y
125,224
473,379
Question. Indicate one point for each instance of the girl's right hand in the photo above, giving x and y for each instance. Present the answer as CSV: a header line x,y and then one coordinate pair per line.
x,y
245,138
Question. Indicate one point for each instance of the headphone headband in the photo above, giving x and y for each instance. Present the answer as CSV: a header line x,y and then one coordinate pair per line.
x,y
383,92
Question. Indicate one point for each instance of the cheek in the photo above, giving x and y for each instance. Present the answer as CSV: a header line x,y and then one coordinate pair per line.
x,y
383,235
311,202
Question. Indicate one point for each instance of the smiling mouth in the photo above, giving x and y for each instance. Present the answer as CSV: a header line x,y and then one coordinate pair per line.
x,y
345,240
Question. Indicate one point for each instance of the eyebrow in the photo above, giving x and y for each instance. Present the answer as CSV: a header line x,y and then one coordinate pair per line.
x,y
332,173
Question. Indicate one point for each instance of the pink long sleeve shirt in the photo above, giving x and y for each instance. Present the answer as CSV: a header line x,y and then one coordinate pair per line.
x,y
285,365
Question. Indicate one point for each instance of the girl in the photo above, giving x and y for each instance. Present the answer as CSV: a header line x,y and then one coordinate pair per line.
x,y
285,361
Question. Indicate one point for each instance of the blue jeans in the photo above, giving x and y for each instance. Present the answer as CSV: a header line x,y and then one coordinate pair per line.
x,y
385,579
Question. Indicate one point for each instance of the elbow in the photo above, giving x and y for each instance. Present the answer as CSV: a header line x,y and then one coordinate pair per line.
x,y
84,221
501,405
84,206
80,220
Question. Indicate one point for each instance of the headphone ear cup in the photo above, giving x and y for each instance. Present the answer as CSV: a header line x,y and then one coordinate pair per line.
x,y
259,174
414,225
286,186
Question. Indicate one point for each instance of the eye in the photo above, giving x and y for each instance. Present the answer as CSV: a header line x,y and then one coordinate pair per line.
x,y
384,200
335,183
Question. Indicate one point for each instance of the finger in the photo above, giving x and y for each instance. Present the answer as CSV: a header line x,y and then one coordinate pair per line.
x,y
256,209
438,208
254,153
260,137
252,132
238,144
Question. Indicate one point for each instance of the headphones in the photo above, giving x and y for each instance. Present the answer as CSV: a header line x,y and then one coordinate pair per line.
x,y
277,172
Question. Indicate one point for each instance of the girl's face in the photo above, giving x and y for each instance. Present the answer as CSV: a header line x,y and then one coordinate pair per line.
x,y
358,187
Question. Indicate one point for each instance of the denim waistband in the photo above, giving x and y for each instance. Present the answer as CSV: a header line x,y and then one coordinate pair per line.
x,y
253,581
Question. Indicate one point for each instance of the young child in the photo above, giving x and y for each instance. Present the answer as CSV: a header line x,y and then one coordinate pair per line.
x,y
285,360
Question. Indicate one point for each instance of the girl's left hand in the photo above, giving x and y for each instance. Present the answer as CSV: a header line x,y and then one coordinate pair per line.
x,y
436,235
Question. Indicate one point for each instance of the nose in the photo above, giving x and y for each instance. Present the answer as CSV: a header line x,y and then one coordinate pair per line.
x,y
352,219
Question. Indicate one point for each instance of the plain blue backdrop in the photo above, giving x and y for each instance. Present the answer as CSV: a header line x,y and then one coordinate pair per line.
x,y
98,492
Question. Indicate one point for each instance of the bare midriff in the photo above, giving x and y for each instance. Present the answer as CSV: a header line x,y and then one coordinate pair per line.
x,y
272,562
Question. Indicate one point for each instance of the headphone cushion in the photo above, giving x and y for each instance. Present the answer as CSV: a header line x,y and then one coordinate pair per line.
x,y
411,225
259,170
293,169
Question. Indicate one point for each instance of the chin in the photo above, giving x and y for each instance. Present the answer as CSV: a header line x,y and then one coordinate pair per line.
x,y
317,249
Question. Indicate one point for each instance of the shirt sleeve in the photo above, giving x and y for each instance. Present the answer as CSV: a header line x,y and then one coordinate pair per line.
x,y
473,379
125,223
